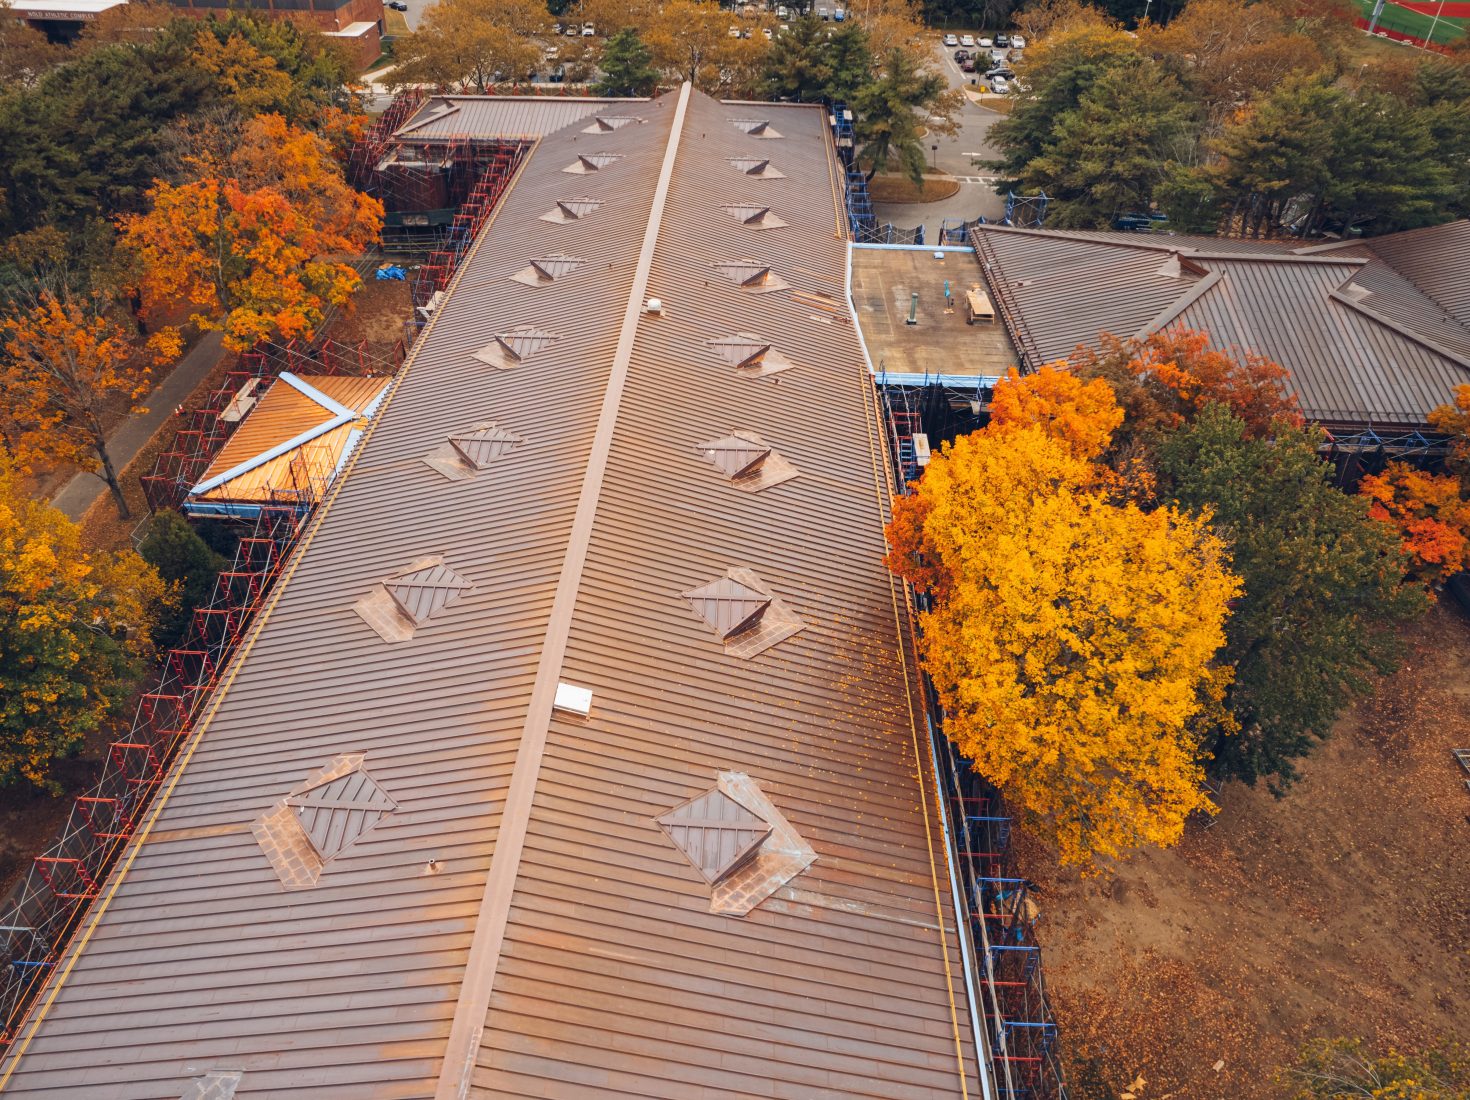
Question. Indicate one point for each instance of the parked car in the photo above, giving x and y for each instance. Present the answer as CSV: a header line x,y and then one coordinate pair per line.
x,y
985,43
768,33
588,30
574,31
558,74
967,65
783,12
998,56
1001,72
967,40
951,40
1002,40
999,85
397,5
961,55
1017,42
551,53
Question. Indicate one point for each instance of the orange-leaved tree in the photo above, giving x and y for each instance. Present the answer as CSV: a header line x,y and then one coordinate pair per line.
x,y
251,246
1081,413
1070,637
1453,419
74,633
1166,379
66,361
1431,514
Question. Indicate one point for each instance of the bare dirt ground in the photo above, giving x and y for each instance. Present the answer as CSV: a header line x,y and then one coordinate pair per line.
x,y
1343,909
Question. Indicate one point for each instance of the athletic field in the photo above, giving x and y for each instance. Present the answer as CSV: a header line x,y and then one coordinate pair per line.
x,y
1415,19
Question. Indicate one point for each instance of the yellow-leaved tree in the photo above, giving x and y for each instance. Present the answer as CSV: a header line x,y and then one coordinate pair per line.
x,y
74,633
1071,635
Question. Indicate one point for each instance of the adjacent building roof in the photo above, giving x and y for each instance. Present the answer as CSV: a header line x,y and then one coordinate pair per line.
x,y
507,116
476,896
292,443
1364,343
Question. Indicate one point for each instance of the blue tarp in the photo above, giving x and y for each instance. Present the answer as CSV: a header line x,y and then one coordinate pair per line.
x,y
392,271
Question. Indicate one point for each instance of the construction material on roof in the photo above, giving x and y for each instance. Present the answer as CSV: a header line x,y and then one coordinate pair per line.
x,y
291,445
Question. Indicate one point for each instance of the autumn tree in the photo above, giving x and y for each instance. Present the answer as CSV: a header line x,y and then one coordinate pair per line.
x,y
1165,380
247,248
690,40
25,53
1453,419
475,43
1070,637
1080,413
135,23
65,362
74,633
1430,513
1348,1069
1323,586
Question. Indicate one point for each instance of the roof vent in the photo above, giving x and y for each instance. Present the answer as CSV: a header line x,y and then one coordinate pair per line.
x,y
547,269
406,600
320,819
738,841
755,127
606,124
573,699
654,306
752,276
570,210
754,216
217,1084
512,348
750,355
758,167
716,834
468,452
747,461
745,615
586,165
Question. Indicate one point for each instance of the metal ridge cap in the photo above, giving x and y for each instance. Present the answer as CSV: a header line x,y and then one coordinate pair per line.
x,y
483,962
1179,305
1394,326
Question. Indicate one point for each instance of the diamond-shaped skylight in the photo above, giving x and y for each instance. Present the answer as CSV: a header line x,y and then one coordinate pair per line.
x,y
716,834
480,447
570,210
755,127
338,812
728,605
593,162
516,346
547,269
734,455
751,275
754,216
757,168
424,591
606,124
750,355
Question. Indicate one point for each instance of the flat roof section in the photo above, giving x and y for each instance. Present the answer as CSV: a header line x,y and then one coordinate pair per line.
x,y
884,278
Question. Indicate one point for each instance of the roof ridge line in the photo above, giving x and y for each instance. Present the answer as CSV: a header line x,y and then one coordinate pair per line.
x,y
1337,295
483,961
1208,282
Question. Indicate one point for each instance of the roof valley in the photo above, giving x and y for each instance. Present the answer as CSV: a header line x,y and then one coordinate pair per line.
x,y
490,927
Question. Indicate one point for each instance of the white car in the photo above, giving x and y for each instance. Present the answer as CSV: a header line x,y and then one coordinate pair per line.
x,y
999,85
951,41
967,40
588,30
573,32
1017,42
986,43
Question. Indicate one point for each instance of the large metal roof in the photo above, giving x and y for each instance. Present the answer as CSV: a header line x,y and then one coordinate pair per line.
x,y
502,914
1362,342
506,116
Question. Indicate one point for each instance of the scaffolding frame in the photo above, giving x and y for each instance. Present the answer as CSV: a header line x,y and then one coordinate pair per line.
x,y
47,906
203,431
1026,211
999,920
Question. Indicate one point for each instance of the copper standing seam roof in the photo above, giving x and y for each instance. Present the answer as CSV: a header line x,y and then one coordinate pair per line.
x,y
1362,343
507,116
518,922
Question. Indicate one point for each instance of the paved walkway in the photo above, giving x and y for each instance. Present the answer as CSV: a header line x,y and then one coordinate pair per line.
x,y
133,434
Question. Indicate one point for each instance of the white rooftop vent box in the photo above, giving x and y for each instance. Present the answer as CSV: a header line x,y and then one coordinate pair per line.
x,y
573,699
921,448
654,306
